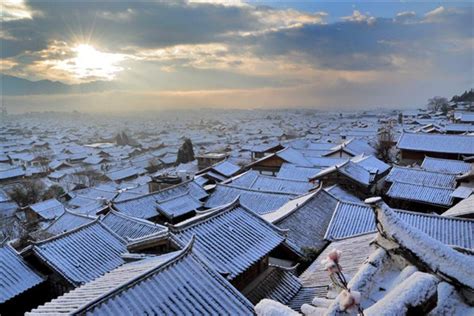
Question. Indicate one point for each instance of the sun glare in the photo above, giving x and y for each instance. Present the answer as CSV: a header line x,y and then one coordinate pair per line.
x,y
91,63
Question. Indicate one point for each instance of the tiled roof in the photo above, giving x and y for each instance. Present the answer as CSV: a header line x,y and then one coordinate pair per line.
x,y
83,254
276,283
420,193
254,180
421,177
178,283
294,156
342,194
463,208
15,276
178,205
371,163
231,238
11,173
124,173
308,222
356,173
261,202
48,209
226,168
352,219
66,222
145,206
129,227
290,171
453,144
446,165
355,251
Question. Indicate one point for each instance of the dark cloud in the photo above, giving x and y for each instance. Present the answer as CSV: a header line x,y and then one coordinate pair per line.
x,y
122,24
366,46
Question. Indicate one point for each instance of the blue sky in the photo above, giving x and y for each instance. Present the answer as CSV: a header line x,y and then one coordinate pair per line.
x,y
132,55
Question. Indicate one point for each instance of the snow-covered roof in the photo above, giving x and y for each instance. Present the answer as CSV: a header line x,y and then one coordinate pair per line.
x,y
294,172
352,219
231,238
307,223
178,205
463,208
145,206
82,254
16,276
254,180
438,196
421,177
129,227
67,221
355,251
226,168
179,277
48,209
276,283
446,165
441,143
11,173
261,202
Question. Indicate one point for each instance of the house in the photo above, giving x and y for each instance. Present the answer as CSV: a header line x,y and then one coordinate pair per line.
x,y
20,284
256,181
406,272
259,151
354,219
78,256
235,241
180,276
219,172
446,165
209,159
129,227
43,211
420,190
358,179
173,198
11,175
414,147
306,219
260,202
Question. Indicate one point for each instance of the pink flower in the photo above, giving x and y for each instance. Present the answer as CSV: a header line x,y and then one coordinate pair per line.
x,y
349,300
335,255
330,265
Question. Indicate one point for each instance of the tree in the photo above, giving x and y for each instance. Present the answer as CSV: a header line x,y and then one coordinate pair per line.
x,y
438,104
153,165
385,143
53,192
88,177
185,152
27,192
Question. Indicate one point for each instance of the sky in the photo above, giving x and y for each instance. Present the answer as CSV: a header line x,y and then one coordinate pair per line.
x,y
101,56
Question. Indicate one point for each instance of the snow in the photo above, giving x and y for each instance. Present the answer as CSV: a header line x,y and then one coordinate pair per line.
x,y
440,258
414,291
268,307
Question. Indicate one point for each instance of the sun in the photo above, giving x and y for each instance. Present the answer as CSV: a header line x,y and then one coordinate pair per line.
x,y
89,63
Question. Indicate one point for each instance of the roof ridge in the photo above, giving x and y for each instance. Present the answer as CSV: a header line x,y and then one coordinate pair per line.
x,y
132,218
156,192
422,170
422,185
64,234
196,220
129,283
254,190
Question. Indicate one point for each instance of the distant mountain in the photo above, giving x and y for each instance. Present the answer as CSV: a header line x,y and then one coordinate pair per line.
x,y
11,85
